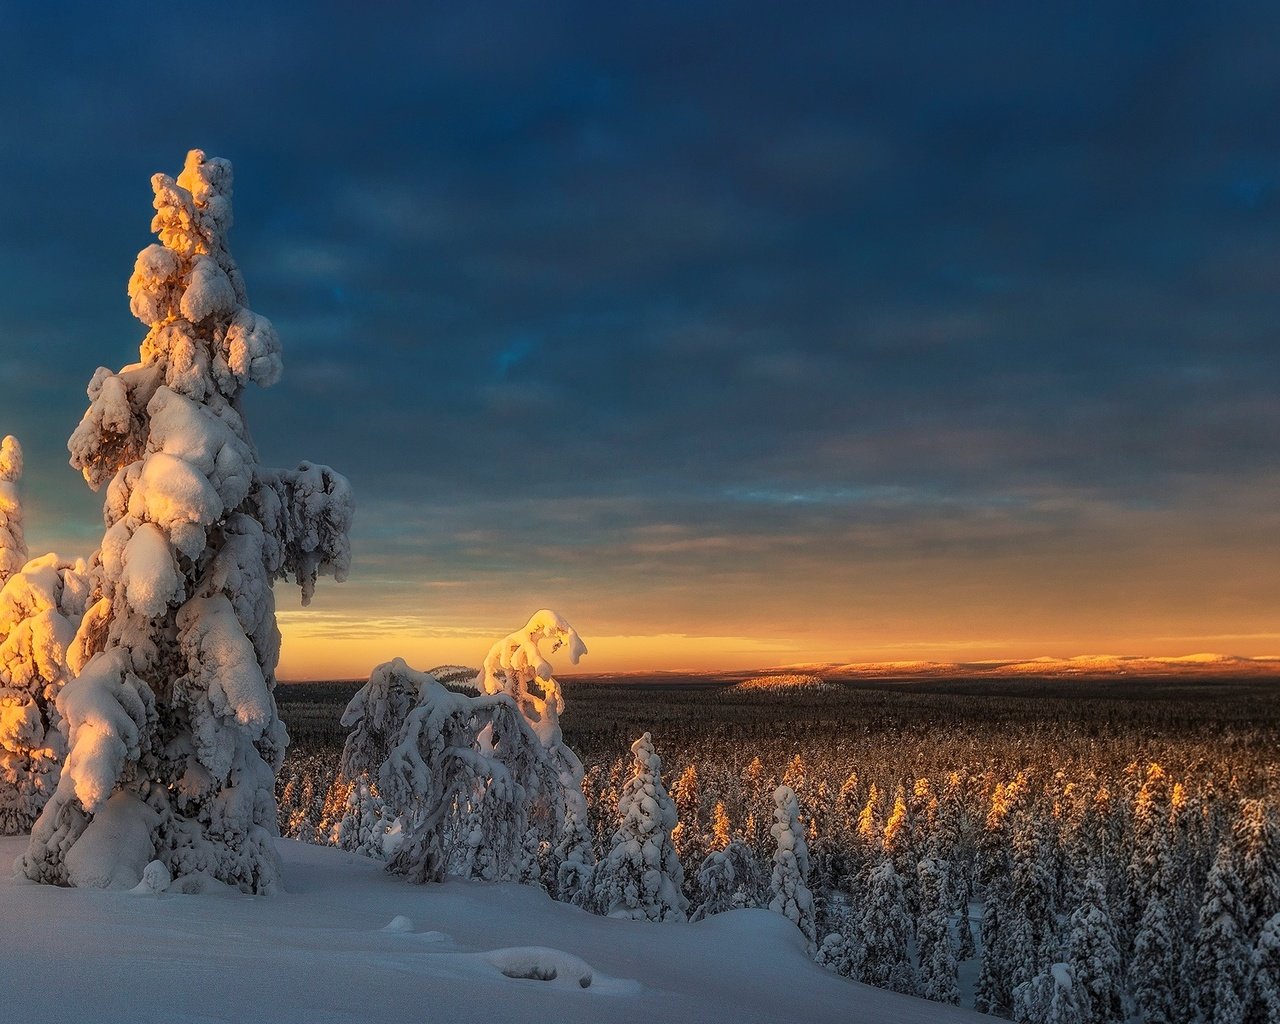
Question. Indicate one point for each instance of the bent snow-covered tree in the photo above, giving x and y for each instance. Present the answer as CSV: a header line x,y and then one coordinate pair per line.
x,y
174,738
461,779
516,666
475,785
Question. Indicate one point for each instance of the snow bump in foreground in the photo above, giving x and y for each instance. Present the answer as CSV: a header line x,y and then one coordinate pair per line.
x,y
349,942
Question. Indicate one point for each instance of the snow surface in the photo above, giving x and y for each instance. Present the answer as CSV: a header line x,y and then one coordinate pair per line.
x,y
323,951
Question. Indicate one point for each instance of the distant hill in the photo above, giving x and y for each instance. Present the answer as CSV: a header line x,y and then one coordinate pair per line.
x,y
784,681
1095,666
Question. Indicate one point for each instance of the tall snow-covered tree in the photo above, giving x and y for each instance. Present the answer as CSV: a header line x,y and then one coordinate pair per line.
x,y
1255,838
640,877
13,543
789,893
938,967
174,738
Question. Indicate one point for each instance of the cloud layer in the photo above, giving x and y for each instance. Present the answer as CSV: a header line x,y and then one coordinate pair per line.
x,y
827,329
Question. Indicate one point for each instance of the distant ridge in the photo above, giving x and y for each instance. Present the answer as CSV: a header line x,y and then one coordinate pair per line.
x,y
1093,666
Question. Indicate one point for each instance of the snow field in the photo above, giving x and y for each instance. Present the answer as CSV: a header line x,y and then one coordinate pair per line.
x,y
325,951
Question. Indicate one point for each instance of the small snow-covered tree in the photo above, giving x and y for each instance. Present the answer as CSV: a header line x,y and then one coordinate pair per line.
x,y
13,544
375,715
461,780
640,877
40,608
789,893
729,879
174,738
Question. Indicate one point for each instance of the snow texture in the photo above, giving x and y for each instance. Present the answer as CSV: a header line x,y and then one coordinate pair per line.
x,y
172,707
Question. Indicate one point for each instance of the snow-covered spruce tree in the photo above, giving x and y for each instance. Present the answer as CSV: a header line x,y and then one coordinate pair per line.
x,y
1221,949
1264,975
1093,953
13,543
640,877
789,893
1255,838
1054,996
884,934
516,666
40,609
938,967
729,879
174,739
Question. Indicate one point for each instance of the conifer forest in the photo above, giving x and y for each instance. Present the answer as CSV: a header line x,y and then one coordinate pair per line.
x,y
1042,850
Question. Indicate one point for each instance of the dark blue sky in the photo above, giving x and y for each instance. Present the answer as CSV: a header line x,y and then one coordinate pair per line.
x,y
764,332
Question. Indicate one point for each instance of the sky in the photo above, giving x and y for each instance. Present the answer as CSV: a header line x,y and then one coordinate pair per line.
x,y
740,334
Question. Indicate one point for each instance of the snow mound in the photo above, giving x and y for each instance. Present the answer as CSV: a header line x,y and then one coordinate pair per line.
x,y
541,963
398,924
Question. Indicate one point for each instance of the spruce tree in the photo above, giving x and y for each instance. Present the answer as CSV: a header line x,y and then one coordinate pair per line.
x,y
174,738
13,543
884,934
1093,953
1264,975
789,893
1221,949
640,877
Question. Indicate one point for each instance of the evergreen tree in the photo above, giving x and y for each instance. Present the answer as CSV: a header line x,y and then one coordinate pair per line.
x,y
13,544
516,666
1221,950
729,879
1053,996
1264,975
1255,839
938,967
789,893
174,738
1093,954
640,877
884,934
464,780
1151,970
